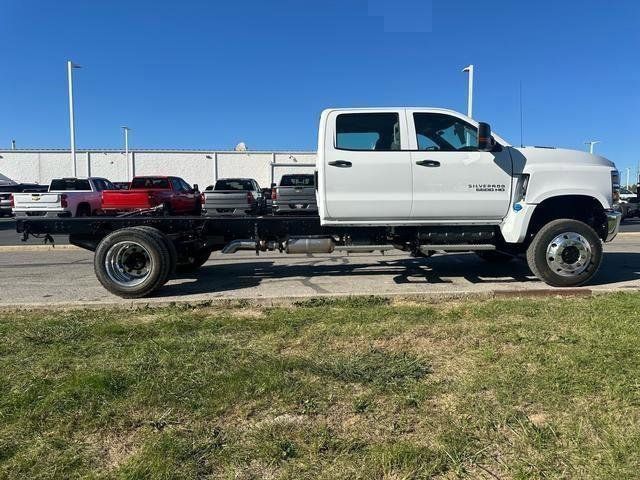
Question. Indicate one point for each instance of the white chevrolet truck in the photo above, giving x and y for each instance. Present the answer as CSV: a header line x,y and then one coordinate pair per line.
x,y
421,180
66,197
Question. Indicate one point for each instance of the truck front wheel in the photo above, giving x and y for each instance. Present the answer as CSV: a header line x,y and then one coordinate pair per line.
x,y
132,263
565,253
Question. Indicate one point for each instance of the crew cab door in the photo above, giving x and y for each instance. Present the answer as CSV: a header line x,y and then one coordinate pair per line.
x,y
451,179
367,166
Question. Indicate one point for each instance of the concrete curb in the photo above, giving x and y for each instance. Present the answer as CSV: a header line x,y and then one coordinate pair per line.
x,y
262,302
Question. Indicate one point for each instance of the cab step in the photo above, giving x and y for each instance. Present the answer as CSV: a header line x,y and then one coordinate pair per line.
x,y
457,247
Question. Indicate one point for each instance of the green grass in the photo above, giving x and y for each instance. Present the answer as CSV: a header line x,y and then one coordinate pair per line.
x,y
356,388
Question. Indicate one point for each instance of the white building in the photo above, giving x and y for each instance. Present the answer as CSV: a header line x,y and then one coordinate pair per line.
x,y
195,166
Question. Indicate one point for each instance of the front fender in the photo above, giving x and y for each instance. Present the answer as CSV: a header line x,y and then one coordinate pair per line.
x,y
515,225
584,192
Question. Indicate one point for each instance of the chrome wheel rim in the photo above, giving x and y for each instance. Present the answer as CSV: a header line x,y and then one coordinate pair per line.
x,y
128,264
569,254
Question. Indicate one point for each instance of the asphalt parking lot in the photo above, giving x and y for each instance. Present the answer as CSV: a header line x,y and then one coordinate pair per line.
x,y
65,276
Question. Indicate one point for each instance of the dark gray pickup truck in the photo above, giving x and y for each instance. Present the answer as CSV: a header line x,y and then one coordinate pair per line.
x,y
296,193
233,196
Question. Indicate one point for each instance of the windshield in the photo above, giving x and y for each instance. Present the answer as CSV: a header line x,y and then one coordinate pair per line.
x,y
234,184
297,181
150,182
61,184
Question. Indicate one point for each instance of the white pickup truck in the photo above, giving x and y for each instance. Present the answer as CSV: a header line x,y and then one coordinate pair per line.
x,y
422,180
66,197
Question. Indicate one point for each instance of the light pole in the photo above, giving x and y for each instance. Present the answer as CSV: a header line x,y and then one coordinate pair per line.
x,y
469,70
72,125
591,143
628,173
126,129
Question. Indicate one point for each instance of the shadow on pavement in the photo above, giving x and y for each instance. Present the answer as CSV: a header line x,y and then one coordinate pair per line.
x,y
617,267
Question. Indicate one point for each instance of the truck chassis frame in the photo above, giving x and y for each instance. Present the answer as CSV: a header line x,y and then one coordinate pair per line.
x,y
136,254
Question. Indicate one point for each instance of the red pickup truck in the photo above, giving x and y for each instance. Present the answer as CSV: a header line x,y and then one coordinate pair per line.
x,y
172,193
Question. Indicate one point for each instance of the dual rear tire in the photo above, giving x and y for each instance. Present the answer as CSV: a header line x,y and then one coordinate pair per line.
x,y
134,262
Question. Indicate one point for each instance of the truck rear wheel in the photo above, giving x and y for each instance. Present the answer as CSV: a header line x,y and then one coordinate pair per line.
x,y
171,248
132,263
565,253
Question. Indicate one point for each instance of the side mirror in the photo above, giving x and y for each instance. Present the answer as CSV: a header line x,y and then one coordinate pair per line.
x,y
485,140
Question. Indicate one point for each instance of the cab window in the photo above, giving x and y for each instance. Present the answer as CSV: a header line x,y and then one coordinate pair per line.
x,y
444,133
185,186
368,131
177,186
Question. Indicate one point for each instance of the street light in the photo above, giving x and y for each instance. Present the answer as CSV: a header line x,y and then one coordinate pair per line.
x,y
591,144
126,129
72,126
469,70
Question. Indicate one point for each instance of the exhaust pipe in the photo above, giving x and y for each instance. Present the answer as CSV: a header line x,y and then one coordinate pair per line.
x,y
302,245
236,245
364,248
310,245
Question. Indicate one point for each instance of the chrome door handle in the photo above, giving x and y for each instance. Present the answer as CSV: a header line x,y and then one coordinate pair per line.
x,y
340,163
428,163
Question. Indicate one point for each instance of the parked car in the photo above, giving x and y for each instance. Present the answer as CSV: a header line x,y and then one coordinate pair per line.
x,y
66,197
295,194
173,194
629,209
7,191
625,194
234,196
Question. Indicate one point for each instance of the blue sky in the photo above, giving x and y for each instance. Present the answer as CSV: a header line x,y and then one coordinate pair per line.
x,y
208,74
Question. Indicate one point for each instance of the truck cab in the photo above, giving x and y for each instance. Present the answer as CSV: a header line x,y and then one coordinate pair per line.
x,y
428,172
424,166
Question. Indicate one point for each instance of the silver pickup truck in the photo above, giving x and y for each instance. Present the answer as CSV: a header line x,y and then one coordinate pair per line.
x,y
296,193
233,196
